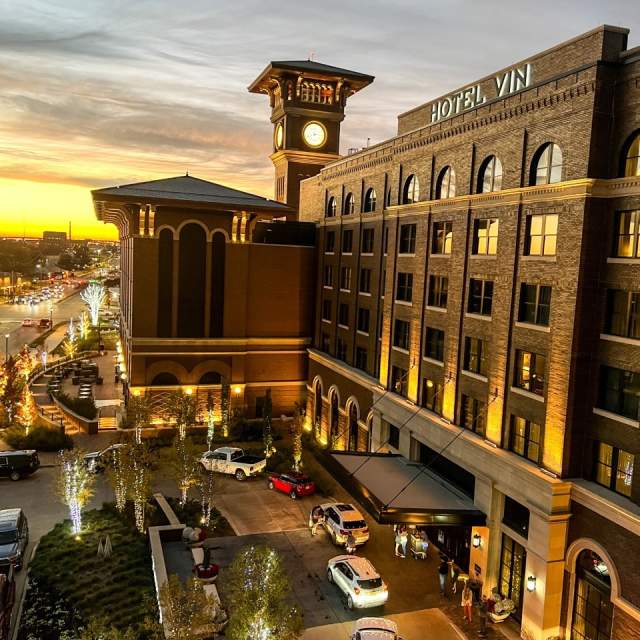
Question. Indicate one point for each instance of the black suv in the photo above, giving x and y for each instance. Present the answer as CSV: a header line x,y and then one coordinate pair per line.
x,y
18,464
14,537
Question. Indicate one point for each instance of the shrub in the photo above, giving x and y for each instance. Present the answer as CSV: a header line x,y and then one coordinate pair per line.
x,y
84,407
39,438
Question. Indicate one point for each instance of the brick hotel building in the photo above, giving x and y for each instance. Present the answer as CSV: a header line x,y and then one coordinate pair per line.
x,y
477,313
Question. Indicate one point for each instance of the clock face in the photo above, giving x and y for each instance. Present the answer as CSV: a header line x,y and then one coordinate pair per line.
x,y
279,137
314,134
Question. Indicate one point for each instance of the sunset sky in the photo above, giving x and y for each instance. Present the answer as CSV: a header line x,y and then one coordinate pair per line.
x,y
97,93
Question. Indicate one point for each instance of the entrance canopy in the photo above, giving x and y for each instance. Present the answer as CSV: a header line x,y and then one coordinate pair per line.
x,y
395,490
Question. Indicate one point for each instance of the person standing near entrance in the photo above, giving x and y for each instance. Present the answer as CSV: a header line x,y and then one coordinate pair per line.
x,y
397,541
404,538
443,570
467,602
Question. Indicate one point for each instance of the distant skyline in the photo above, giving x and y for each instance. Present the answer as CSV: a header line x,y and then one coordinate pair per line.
x,y
101,93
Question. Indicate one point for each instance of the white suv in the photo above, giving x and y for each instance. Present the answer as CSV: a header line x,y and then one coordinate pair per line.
x,y
358,580
375,629
342,519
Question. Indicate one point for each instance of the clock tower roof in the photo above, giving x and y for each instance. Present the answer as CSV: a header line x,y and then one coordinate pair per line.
x,y
308,69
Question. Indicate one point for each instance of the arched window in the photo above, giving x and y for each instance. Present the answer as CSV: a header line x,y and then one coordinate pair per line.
x,y
387,198
165,282
592,608
411,191
331,207
354,415
490,176
546,167
191,281
370,200
349,205
446,185
632,156
334,418
164,380
211,377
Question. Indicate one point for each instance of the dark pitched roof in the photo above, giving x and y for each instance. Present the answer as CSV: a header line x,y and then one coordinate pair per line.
x,y
190,189
319,67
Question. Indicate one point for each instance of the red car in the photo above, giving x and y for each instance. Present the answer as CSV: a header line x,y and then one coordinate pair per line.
x,y
294,484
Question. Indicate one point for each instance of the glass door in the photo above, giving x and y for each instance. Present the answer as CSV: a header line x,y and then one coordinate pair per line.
x,y
513,561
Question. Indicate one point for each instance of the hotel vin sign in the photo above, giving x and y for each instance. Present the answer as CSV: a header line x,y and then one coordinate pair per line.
x,y
501,86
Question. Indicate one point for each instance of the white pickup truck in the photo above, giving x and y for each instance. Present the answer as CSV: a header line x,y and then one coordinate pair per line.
x,y
233,461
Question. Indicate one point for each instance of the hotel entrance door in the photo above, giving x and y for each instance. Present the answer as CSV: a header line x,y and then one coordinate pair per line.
x,y
513,561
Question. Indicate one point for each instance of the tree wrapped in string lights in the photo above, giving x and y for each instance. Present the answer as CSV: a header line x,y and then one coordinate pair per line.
x,y
139,415
296,437
71,331
25,362
69,348
119,472
138,461
225,413
259,588
84,325
267,435
181,407
211,426
183,466
13,382
208,487
75,485
94,297
27,411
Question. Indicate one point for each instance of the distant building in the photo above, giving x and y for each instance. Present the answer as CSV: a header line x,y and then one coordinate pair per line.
x,y
53,242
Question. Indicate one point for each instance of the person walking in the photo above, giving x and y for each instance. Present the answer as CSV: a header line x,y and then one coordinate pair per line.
x,y
404,538
350,545
317,519
443,570
398,541
483,609
467,602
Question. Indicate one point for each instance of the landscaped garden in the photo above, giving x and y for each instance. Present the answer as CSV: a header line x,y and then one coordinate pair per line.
x,y
73,583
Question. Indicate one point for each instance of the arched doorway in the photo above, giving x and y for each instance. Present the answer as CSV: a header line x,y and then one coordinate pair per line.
x,y
164,379
354,415
334,418
592,608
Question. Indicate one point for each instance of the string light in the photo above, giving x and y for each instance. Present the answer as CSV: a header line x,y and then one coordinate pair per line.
x,y
94,296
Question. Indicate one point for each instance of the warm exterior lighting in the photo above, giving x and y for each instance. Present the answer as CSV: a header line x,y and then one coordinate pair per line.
x,y
75,486
531,583
477,540
136,392
188,391
430,384
237,389
123,377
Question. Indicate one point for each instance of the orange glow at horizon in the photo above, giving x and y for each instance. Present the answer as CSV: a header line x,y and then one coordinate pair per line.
x,y
28,207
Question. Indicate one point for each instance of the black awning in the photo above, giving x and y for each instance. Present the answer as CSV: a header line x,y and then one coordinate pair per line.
x,y
395,490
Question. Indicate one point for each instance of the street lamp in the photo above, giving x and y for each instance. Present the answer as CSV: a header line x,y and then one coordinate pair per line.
x,y
6,347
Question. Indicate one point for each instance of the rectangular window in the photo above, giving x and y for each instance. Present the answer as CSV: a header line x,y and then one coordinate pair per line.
x,y
361,358
530,371
526,438
365,280
345,278
326,310
328,275
330,242
325,342
401,334
475,355
516,516
347,241
434,344
394,436
343,314
399,383
620,392
432,393
367,240
404,290
623,313
535,304
442,242
485,237
542,234
407,238
473,415
626,242
341,349
614,468
438,289
363,320
480,296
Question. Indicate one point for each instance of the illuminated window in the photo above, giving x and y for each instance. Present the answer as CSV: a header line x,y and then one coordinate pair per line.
x,y
475,355
473,415
407,238
490,176
332,207
485,237
349,205
365,281
370,200
620,392
623,313
401,334
442,242
632,157
526,438
542,233
446,184
627,235
530,371
480,296
368,236
399,381
411,191
438,289
432,393
535,304
434,344
363,320
404,288
614,468
546,167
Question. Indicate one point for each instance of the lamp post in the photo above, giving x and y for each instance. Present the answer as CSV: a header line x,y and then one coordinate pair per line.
x,y
6,347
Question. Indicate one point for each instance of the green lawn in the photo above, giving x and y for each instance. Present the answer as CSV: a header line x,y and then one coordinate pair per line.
x,y
118,589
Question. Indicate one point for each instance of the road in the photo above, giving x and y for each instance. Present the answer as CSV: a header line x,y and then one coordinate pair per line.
x,y
12,315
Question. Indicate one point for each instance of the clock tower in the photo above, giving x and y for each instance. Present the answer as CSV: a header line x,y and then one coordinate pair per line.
x,y
307,101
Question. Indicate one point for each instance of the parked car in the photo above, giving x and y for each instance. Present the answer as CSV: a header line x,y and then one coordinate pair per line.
x,y
18,464
295,485
44,323
357,578
233,461
14,537
97,461
28,322
342,519
7,598
375,629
